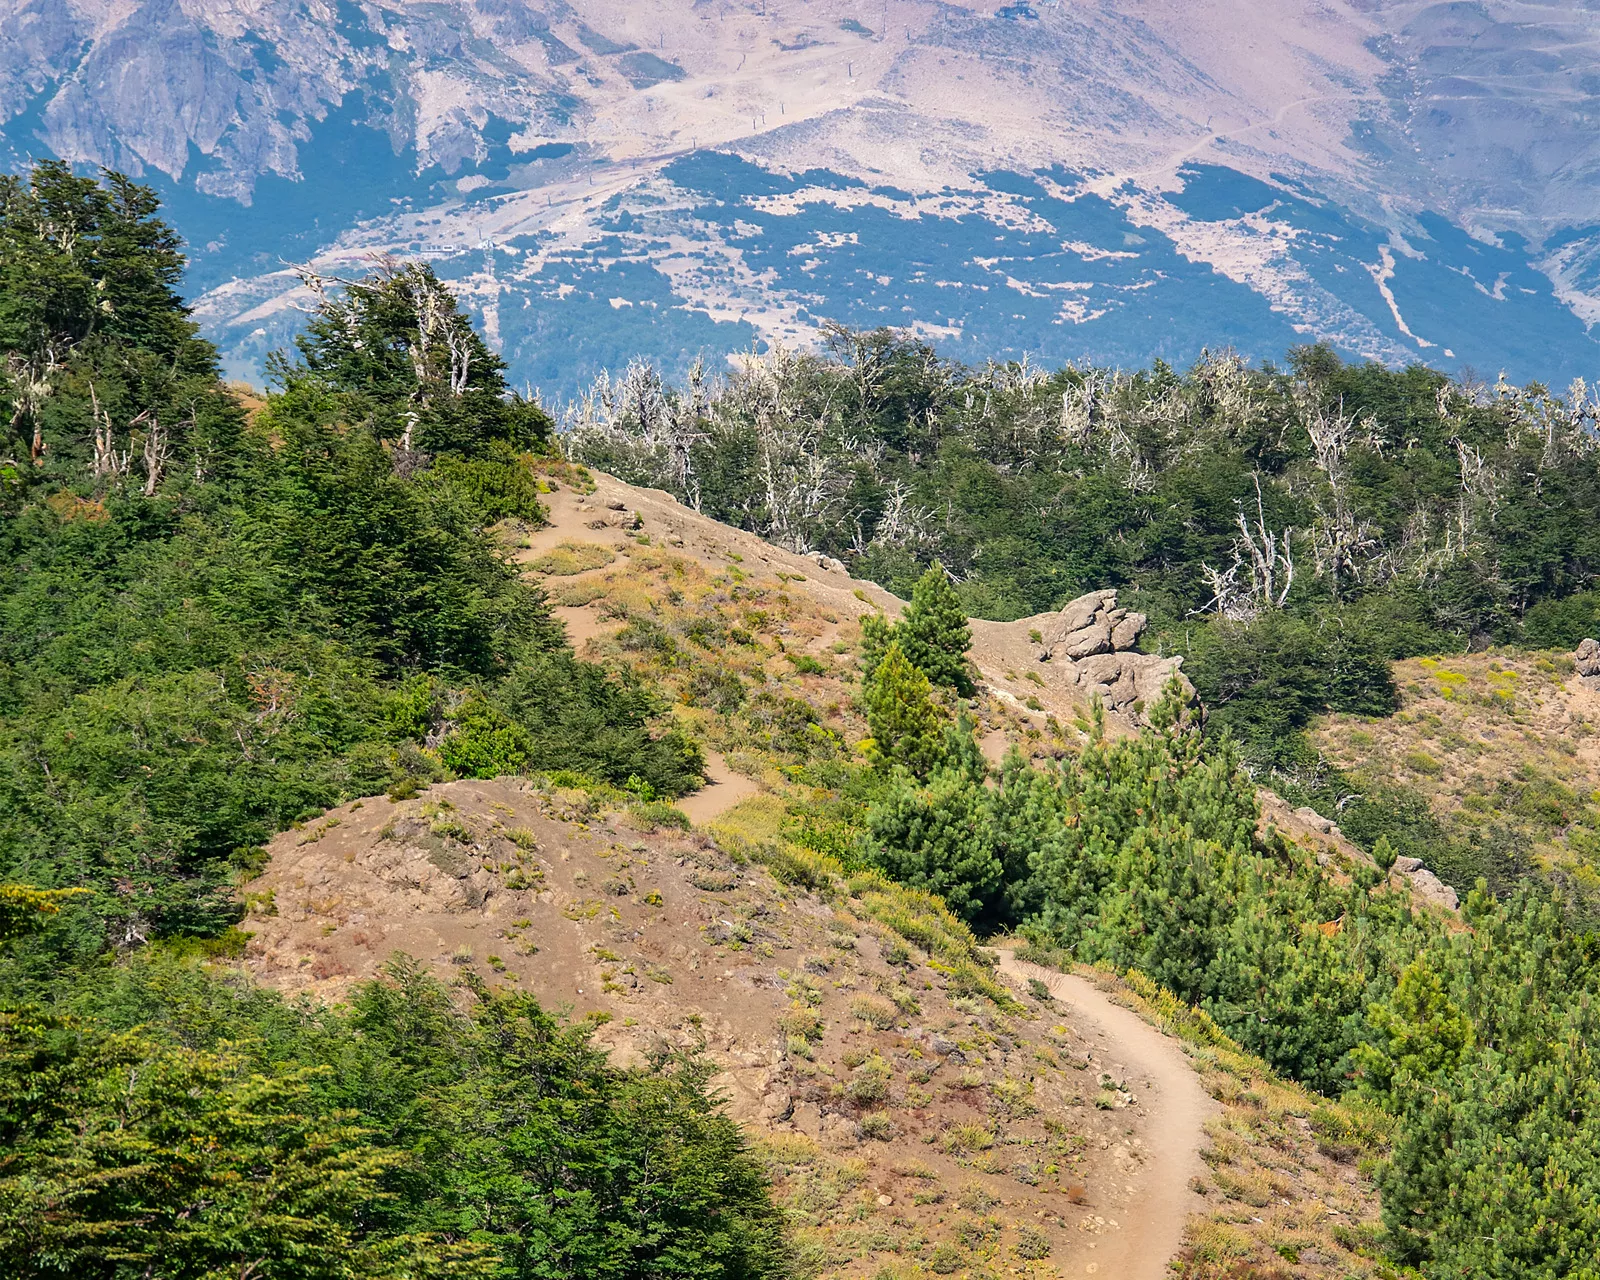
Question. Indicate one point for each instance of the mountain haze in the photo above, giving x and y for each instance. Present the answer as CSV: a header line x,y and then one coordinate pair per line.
x,y
1117,181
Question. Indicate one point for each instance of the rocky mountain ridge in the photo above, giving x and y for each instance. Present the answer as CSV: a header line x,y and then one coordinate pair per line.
x,y
1110,180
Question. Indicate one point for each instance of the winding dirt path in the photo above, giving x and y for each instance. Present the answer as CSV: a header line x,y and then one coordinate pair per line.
x,y
1176,1108
724,788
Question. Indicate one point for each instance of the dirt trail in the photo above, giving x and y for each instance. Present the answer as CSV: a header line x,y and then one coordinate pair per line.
x,y
724,788
1154,1067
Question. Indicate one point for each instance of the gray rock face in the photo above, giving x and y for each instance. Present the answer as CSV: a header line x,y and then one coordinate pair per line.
x,y
1081,612
1093,638
1319,824
1424,884
1087,641
827,562
1587,659
1127,631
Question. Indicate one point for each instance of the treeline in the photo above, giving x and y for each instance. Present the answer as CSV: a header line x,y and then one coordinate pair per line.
x,y
1146,853
1437,512
1289,530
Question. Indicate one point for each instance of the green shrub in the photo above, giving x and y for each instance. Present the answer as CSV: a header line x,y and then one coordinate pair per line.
x,y
485,743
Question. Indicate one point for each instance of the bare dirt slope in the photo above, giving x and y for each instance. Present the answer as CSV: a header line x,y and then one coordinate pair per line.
x,y
1020,692
1023,701
908,1105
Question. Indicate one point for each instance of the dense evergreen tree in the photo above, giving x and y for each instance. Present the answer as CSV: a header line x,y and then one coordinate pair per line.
x,y
907,728
932,832
933,633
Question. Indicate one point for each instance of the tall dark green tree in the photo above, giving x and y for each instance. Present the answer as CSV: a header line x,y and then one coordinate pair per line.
x,y
933,633
932,832
102,369
398,351
213,626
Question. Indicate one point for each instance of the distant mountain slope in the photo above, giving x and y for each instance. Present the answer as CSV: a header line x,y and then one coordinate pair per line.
x,y
1116,181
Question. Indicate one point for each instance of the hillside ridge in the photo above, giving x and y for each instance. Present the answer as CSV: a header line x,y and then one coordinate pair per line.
x,y
890,1081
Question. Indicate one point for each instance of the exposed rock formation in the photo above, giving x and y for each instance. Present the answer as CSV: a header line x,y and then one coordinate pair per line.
x,y
1425,886
1588,661
827,562
1094,639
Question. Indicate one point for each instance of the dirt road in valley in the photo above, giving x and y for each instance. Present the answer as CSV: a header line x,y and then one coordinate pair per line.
x,y
1153,1067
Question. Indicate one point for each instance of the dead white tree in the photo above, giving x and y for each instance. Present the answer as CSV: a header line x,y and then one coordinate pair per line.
x,y
106,460
156,451
1341,540
902,523
1262,572
30,377
1226,380
638,423
1080,407
1478,495
1098,410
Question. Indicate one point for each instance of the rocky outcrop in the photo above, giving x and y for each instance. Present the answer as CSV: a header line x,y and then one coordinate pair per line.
x,y
1425,886
1094,639
1587,659
827,562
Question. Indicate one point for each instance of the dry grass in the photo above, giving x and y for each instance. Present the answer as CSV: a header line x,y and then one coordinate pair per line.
x,y
569,558
1492,740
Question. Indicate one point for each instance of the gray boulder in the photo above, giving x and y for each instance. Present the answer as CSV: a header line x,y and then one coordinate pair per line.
x,y
1127,630
1424,885
1588,660
1081,612
1094,640
1102,668
1086,641
1153,674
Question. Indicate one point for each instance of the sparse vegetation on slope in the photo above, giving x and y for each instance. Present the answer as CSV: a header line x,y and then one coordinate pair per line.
x,y
1500,748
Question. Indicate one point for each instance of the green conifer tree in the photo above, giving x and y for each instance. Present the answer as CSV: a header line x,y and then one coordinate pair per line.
x,y
876,634
936,834
907,729
934,632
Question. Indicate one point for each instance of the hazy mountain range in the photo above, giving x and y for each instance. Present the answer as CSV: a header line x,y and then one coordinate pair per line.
x,y
1115,180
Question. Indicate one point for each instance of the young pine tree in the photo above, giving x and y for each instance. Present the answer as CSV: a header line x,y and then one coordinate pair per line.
x,y
936,833
934,632
907,729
